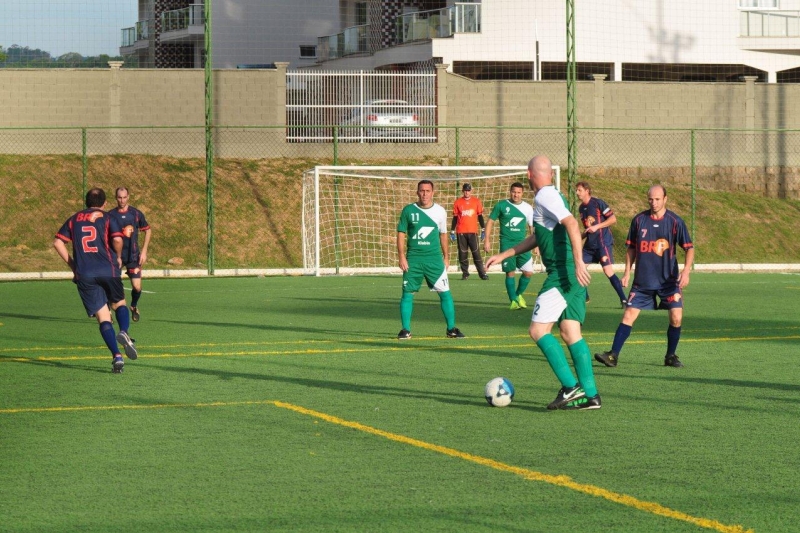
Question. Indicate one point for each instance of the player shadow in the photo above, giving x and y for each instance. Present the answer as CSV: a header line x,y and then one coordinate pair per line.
x,y
42,317
53,364
448,398
711,381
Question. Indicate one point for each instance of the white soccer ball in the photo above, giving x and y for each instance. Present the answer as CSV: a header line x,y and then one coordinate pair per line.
x,y
499,392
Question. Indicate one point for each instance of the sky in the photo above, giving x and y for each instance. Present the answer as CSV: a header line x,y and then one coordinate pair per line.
x,y
88,27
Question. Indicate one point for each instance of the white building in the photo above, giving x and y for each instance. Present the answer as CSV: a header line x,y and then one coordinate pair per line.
x,y
681,40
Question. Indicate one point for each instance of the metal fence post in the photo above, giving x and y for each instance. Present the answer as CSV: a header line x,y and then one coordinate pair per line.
x,y
84,163
694,183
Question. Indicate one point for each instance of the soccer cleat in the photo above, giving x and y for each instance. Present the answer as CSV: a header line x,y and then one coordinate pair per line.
x,y
403,335
566,395
484,276
607,358
118,364
464,277
128,344
588,299
521,302
514,305
454,333
135,314
583,403
672,360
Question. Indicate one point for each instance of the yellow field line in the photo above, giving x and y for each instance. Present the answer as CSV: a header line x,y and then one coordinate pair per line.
x,y
451,345
532,475
560,481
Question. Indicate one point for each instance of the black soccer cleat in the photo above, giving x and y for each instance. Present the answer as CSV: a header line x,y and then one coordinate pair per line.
x,y
135,314
607,358
118,364
672,360
484,276
454,333
128,344
583,403
403,335
566,395
464,277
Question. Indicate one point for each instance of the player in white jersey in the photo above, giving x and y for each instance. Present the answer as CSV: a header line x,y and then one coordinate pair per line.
x,y
562,298
422,248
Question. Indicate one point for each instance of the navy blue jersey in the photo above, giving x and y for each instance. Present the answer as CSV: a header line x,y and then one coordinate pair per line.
x,y
90,231
655,241
131,220
595,212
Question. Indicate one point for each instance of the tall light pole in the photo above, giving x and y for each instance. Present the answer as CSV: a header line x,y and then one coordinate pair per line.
x,y
209,92
572,117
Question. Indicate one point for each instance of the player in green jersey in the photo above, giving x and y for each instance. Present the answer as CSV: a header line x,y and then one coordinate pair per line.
x,y
422,248
515,217
562,298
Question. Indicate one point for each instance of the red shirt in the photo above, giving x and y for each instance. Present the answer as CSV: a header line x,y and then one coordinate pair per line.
x,y
467,211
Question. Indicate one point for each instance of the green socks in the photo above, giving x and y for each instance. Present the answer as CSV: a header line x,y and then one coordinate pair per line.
x,y
449,310
552,350
406,307
582,359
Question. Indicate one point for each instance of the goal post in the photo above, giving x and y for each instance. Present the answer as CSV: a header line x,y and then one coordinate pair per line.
x,y
350,213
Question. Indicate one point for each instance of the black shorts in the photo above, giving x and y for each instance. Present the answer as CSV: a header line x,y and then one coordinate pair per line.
x,y
133,270
604,256
96,292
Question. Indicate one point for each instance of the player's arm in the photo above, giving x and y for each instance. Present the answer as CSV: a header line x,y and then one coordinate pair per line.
x,y
630,259
116,244
607,223
683,279
63,253
445,249
526,245
143,252
401,251
570,223
487,240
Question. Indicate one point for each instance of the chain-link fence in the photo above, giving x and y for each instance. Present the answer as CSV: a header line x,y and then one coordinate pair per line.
x,y
254,190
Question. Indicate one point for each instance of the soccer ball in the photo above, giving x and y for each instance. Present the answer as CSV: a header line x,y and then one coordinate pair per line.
x,y
499,392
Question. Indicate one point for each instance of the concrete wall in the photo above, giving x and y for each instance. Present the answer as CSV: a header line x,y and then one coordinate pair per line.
x,y
120,99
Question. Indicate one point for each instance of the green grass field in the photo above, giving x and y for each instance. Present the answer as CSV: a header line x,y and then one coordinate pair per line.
x,y
287,404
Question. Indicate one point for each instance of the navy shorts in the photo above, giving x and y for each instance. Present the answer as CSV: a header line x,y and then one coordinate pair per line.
x,y
133,270
604,256
97,292
669,296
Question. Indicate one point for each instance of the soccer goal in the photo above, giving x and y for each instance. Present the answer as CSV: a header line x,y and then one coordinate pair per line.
x,y
350,213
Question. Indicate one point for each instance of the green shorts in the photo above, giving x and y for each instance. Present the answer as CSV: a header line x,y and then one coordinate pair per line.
x,y
432,271
522,262
555,304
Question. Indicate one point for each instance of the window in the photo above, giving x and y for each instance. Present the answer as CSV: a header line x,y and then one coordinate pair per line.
x,y
361,13
308,51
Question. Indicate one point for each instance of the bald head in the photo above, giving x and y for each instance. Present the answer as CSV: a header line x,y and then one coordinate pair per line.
x,y
540,172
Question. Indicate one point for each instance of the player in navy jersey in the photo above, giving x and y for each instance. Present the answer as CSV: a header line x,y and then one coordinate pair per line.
x,y
132,221
653,239
597,219
96,240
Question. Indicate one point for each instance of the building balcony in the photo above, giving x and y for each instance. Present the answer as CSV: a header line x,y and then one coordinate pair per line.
x,y
351,41
185,24
439,23
771,30
135,38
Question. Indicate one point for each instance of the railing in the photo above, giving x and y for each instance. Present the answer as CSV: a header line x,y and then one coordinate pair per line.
x,y
769,24
142,30
352,40
758,4
128,36
438,23
180,19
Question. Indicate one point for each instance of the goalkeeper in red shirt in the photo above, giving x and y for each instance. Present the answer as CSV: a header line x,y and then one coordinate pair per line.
x,y
467,215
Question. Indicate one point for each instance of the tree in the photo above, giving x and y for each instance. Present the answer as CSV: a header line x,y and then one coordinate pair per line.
x,y
2,55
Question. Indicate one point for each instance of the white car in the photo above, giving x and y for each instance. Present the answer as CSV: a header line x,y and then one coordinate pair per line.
x,y
383,119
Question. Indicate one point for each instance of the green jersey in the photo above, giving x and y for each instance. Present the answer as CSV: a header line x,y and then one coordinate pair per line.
x,y
514,222
422,228
555,247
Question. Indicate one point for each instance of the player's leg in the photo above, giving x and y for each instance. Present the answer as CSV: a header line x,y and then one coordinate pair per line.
x,y
436,278
135,275
570,326
637,301
476,256
525,265
672,300
463,254
94,301
412,280
588,258
548,309
607,262
116,295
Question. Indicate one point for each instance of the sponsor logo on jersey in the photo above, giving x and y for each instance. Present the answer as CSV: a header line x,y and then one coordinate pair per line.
x,y
91,217
467,212
514,223
422,234
588,221
127,231
657,247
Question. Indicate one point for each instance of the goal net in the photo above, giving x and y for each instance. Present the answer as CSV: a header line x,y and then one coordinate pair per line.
x,y
350,213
